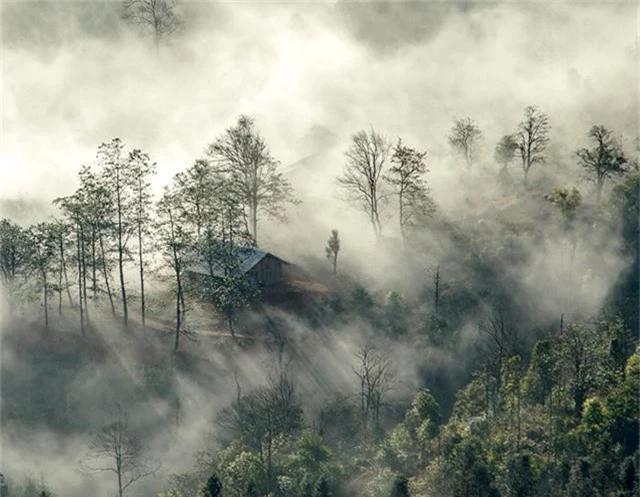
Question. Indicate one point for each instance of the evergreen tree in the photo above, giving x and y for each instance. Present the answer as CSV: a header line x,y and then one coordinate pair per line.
x,y
400,487
213,488
322,488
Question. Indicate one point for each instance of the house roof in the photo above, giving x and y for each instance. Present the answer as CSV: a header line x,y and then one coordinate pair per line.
x,y
249,257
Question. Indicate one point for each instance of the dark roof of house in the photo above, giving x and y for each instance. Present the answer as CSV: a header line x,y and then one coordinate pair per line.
x,y
249,257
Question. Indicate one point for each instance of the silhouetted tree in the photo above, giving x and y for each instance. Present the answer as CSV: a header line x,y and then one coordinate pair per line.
x,y
464,137
41,254
400,487
604,160
159,18
141,169
505,150
117,178
363,172
322,488
242,156
176,244
406,176
375,378
13,256
532,138
116,449
332,249
213,488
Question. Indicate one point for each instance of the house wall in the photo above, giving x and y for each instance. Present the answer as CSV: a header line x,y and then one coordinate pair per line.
x,y
268,271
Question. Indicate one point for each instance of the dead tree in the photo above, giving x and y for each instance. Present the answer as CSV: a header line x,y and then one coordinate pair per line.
x,y
362,177
376,378
116,449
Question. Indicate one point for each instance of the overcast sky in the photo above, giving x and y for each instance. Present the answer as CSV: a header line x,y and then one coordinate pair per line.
x,y
75,75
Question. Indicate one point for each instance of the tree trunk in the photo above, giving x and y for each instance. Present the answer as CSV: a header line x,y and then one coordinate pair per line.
x,y
64,271
401,213
254,222
599,185
437,291
84,276
79,279
142,300
119,471
94,281
123,290
230,324
105,273
179,300
60,291
46,300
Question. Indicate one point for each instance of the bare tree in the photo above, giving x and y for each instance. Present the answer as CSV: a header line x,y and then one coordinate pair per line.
x,y
366,159
498,344
406,176
242,156
464,137
118,450
604,160
376,378
532,138
155,17
332,249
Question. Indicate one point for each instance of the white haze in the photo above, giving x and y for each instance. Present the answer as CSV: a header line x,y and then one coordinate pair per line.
x,y
311,74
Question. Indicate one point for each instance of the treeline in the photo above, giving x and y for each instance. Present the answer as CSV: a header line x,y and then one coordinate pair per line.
x,y
550,410
206,216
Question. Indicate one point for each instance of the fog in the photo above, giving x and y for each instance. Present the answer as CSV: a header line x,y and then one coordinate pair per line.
x,y
311,74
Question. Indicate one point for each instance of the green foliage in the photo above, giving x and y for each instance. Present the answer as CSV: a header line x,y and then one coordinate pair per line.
x,y
396,314
567,201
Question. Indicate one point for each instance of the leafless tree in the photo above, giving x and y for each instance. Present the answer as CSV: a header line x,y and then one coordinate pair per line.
x,y
463,138
498,344
532,138
362,177
118,450
604,160
376,378
157,18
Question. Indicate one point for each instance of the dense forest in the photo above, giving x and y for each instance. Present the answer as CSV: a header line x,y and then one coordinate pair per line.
x,y
453,320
